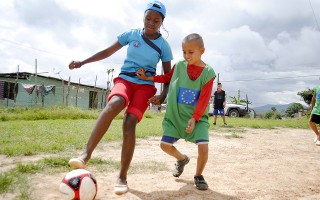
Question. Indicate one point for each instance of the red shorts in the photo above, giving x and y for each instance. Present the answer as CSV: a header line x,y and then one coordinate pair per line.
x,y
136,95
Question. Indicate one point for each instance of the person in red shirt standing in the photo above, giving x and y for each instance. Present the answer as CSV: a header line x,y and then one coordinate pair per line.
x,y
219,103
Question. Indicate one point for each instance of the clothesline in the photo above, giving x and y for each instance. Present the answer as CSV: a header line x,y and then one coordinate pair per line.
x,y
43,89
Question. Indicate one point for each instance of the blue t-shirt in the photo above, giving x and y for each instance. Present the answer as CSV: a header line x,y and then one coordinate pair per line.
x,y
141,55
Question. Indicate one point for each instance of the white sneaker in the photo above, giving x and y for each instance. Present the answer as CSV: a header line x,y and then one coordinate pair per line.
x,y
318,143
315,139
121,187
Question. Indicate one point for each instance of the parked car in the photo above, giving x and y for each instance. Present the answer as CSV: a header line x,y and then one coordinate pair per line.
x,y
232,110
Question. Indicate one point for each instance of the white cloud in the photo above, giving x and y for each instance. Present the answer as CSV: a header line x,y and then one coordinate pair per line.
x,y
299,52
251,44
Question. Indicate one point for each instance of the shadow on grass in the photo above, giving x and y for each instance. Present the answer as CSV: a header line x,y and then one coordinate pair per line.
x,y
188,191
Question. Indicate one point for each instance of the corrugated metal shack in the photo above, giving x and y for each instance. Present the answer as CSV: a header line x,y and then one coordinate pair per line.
x,y
28,89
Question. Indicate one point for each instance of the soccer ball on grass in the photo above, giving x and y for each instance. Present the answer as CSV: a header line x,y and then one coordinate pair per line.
x,y
79,184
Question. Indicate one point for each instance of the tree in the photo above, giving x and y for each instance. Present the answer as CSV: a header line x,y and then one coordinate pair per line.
x,y
272,114
306,95
294,108
273,109
236,100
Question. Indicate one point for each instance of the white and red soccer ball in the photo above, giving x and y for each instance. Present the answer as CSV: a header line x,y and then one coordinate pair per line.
x,y
79,184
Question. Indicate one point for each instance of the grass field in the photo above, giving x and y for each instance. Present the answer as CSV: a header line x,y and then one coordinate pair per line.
x,y
52,130
57,130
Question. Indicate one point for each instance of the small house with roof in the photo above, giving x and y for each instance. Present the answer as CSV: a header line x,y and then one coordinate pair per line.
x,y
29,89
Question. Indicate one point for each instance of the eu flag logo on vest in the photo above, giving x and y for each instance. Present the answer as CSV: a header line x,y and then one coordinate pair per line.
x,y
188,96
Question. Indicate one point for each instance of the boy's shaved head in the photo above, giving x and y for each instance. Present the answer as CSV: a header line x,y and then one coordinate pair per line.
x,y
194,37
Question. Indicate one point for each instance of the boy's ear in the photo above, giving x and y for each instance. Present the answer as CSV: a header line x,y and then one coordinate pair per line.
x,y
203,50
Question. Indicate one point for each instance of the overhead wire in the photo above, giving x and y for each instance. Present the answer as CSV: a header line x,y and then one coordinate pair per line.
x,y
47,52
266,79
314,15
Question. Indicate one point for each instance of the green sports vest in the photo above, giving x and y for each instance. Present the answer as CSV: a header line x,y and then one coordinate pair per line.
x,y
182,99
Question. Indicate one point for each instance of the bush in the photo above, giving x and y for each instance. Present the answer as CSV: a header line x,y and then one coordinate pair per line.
x,y
294,108
272,114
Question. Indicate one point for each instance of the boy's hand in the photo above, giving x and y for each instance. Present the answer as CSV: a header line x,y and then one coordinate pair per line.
x,y
141,73
155,100
191,124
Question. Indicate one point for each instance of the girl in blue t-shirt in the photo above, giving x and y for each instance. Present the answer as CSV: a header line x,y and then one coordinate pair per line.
x,y
146,48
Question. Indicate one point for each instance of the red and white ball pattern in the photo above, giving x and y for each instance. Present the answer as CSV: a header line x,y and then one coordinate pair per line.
x,y
79,184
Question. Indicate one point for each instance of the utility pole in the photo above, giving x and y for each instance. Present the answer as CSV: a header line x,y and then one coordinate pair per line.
x,y
68,92
35,80
14,89
218,80
62,85
77,93
247,101
109,71
109,80
161,84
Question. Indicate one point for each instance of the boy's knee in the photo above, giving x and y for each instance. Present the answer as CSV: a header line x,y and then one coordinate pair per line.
x,y
203,149
165,147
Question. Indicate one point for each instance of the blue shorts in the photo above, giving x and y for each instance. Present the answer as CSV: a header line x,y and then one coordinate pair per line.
x,y
221,111
170,140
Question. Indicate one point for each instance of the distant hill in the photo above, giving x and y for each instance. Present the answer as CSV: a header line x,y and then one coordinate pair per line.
x,y
280,107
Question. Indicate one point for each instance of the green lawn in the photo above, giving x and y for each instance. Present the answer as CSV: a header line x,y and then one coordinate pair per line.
x,y
26,131
57,130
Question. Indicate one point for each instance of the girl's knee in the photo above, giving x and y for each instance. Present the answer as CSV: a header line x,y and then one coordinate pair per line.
x,y
116,103
129,125
130,120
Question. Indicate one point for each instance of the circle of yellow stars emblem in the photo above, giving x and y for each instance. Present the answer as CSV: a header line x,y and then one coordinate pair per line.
x,y
188,97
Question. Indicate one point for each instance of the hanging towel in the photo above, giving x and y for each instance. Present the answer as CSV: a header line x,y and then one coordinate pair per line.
x,y
49,88
28,87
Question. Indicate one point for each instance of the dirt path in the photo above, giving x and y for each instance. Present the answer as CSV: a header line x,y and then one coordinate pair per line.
x,y
264,164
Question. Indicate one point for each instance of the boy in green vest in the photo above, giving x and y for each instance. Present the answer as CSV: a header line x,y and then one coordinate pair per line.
x,y
186,117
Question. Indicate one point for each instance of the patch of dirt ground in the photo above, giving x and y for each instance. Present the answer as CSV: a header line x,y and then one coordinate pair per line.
x,y
263,164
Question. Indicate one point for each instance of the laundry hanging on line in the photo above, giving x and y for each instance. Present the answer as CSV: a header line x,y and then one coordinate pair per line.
x,y
28,87
46,89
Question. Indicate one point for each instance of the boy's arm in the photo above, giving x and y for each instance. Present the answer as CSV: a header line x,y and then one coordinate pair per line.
x,y
159,99
225,100
141,73
214,97
165,78
203,100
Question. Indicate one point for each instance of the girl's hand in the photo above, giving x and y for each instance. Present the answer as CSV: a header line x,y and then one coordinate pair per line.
x,y
191,125
141,73
75,64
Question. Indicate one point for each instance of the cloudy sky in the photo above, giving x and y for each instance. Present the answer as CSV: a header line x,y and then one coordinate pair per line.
x,y
268,50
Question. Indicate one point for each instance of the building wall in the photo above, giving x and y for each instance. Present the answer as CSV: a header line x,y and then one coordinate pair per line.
x,y
79,95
